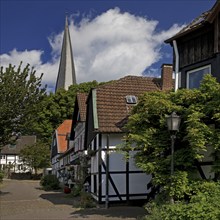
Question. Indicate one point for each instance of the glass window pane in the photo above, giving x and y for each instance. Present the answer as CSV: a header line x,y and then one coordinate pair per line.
x,y
195,77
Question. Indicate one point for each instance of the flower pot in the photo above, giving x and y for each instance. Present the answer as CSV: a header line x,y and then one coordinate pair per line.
x,y
66,190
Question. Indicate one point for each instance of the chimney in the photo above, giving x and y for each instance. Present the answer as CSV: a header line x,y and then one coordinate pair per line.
x,y
167,77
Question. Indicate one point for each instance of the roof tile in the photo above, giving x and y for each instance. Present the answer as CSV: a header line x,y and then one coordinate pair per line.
x,y
62,131
20,143
81,99
112,108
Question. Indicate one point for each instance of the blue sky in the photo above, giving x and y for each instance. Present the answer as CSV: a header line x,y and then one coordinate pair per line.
x,y
110,39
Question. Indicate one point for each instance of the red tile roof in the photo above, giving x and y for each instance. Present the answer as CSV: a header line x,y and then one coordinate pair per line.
x,y
61,132
112,109
81,99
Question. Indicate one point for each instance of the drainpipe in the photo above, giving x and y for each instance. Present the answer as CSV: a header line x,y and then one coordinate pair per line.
x,y
107,174
176,65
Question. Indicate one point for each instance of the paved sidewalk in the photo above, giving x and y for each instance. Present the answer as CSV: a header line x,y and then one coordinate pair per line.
x,y
24,200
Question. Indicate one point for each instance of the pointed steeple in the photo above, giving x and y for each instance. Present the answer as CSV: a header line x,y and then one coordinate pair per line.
x,y
66,74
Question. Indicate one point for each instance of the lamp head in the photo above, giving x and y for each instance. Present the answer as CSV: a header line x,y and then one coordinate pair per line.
x,y
173,122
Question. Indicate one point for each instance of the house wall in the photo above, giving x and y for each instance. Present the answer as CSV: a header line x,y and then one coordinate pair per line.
x,y
14,162
215,69
78,151
54,151
78,141
125,181
200,48
55,165
61,172
217,33
196,47
205,164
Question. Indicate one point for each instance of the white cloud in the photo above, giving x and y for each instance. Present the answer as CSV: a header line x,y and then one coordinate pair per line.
x,y
32,57
14,57
110,46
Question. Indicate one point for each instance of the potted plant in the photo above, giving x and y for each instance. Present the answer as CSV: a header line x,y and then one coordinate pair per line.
x,y
66,190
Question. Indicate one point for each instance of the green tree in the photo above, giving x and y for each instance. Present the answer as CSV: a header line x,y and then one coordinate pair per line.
x,y
199,130
58,107
204,204
36,156
20,99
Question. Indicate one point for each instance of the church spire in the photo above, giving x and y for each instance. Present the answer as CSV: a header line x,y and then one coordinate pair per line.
x,y
66,74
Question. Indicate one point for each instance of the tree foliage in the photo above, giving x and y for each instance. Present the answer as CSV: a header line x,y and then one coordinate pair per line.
x,y
20,99
204,203
36,156
200,130
58,107
198,137
27,109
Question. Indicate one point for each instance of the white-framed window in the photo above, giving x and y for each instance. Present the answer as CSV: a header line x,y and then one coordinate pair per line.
x,y
131,99
195,76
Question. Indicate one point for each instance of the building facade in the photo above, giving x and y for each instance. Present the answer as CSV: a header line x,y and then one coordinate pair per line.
x,y
113,178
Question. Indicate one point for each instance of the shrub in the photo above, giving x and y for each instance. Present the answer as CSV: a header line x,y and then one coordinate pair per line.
x,y
50,182
86,200
76,190
204,204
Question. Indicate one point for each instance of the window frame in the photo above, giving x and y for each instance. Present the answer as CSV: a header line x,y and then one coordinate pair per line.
x,y
131,99
196,70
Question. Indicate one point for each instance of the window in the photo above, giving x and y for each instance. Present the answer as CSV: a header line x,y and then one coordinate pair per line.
x,y
131,99
195,76
12,146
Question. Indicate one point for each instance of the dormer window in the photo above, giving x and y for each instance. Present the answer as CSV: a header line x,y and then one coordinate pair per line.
x,y
12,146
131,99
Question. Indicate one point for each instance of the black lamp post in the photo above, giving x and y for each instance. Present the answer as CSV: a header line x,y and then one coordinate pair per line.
x,y
173,123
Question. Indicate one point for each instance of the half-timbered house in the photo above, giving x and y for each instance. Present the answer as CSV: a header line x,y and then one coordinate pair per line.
x,y
108,106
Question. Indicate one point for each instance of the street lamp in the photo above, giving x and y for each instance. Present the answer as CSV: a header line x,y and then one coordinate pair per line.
x,y
173,123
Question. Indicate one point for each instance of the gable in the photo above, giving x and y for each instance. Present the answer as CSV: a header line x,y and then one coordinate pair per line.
x,y
79,114
61,134
91,121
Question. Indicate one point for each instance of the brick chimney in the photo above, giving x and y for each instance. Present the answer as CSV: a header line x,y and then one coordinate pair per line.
x,y
167,77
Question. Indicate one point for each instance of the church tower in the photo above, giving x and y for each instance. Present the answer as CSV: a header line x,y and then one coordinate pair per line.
x,y
66,74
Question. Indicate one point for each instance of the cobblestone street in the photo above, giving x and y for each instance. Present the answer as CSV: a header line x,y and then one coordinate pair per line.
x,y
23,199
